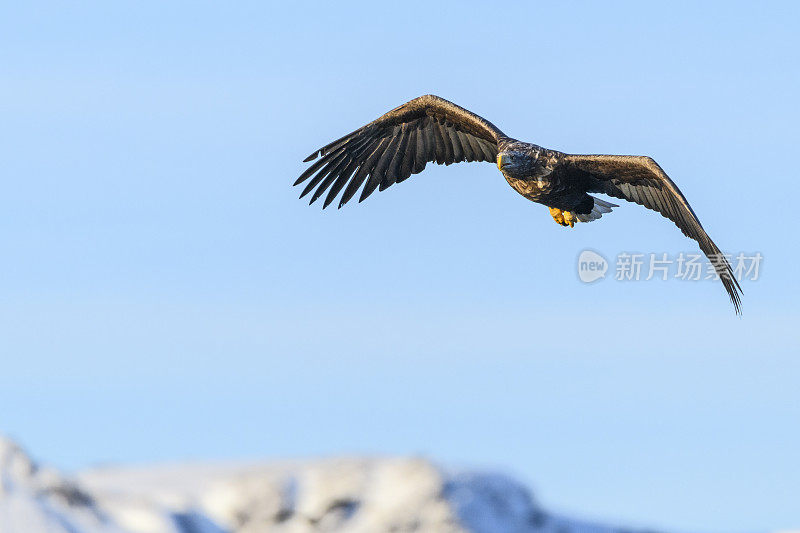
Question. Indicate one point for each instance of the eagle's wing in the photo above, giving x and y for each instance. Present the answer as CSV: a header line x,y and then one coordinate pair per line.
x,y
398,144
639,179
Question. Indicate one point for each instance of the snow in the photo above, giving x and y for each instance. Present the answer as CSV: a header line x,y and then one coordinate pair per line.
x,y
33,499
354,495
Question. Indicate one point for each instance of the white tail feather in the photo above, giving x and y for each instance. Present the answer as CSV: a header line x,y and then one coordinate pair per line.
x,y
600,208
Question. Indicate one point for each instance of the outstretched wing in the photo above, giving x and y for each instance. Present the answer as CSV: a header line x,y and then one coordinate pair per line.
x,y
398,144
639,179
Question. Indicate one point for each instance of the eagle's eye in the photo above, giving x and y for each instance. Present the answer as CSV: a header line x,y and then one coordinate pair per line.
x,y
506,160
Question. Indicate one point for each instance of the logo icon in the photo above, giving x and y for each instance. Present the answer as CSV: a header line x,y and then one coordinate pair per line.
x,y
591,266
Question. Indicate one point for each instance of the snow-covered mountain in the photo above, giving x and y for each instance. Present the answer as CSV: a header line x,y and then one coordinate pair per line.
x,y
332,495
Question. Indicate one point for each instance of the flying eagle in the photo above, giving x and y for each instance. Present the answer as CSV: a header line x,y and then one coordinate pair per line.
x,y
431,129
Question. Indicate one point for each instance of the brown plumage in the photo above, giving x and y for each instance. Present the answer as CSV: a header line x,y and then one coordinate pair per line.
x,y
430,129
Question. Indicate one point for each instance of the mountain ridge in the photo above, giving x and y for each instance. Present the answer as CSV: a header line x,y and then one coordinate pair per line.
x,y
345,494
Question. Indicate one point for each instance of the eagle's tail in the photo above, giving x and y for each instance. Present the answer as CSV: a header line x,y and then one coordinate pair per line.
x,y
600,208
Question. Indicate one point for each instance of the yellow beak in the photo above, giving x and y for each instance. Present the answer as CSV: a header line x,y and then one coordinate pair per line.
x,y
501,159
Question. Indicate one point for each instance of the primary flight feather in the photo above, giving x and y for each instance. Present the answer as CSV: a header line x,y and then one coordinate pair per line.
x,y
431,129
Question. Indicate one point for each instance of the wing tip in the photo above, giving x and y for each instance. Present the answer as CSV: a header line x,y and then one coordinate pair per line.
x,y
733,288
736,292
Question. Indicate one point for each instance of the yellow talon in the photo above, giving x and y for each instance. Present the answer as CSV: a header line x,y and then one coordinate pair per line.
x,y
557,215
565,218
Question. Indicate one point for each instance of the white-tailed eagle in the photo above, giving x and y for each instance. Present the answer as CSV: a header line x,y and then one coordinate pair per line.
x,y
430,129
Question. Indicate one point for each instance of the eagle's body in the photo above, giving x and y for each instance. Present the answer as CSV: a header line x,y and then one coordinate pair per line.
x,y
538,174
432,129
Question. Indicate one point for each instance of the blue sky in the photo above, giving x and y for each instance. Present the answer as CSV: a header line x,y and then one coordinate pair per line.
x,y
165,296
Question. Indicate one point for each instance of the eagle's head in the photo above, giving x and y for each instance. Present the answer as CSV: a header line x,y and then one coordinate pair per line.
x,y
523,161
